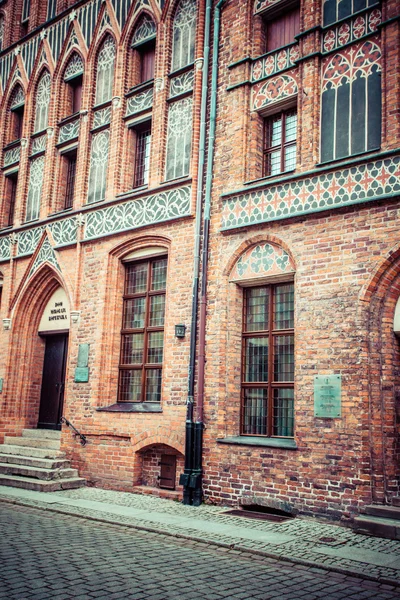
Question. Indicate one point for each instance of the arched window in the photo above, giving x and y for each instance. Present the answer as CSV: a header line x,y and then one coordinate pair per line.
x,y
42,102
17,106
144,45
184,31
1,32
105,71
73,76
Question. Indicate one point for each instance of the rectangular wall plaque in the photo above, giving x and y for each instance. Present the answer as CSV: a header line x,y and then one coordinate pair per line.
x,y
81,375
327,396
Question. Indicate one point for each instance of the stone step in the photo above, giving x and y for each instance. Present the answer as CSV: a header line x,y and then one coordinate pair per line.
x,y
31,452
29,461
34,472
32,442
380,510
377,526
43,434
28,483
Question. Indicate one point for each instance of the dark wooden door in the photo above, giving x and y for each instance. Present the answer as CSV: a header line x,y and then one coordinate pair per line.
x,y
52,394
168,471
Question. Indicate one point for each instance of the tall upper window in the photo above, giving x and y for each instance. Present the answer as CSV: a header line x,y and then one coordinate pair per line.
x,y
73,76
268,361
144,45
105,71
17,106
334,10
280,31
10,198
98,166
280,132
1,32
142,154
142,335
42,102
184,32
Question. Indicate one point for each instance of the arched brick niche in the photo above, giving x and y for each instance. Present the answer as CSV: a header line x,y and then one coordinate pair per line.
x,y
262,260
155,459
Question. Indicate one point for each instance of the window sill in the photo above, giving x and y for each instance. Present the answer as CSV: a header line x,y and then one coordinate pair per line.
x,y
132,407
244,440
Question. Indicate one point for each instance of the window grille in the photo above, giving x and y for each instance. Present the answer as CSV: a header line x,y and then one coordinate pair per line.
x,y
268,361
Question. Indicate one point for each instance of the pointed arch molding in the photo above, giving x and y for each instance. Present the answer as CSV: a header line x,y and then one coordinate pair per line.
x,y
265,259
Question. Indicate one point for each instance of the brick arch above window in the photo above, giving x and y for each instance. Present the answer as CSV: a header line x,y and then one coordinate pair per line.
x,y
262,260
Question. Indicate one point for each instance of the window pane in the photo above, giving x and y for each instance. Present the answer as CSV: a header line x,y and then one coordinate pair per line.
x,y
284,306
275,132
284,358
142,157
136,281
134,313
159,275
275,163
98,166
256,359
179,138
255,411
155,347
105,71
184,34
257,309
132,349
290,127
157,311
290,158
283,415
153,385
130,386
42,102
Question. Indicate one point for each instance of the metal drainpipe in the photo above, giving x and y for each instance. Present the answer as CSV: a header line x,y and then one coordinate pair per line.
x,y
196,478
185,478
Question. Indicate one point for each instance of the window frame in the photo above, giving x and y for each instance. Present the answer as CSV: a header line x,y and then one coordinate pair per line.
x,y
270,385
282,146
141,170
69,189
146,330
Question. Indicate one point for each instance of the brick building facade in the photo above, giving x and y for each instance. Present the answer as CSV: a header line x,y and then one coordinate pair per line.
x,y
113,182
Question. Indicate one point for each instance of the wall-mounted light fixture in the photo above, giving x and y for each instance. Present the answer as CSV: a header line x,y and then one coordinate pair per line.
x,y
180,330
75,314
6,324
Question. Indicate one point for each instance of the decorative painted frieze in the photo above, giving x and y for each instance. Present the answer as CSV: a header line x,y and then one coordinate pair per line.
x,y
181,84
274,89
266,66
102,117
12,156
64,232
351,30
139,212
45,254
69,131
260,261
39,144
139,101
5,247
28,240
368,181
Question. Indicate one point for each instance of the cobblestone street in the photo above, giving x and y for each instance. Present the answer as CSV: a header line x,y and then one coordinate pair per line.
x,y
47,555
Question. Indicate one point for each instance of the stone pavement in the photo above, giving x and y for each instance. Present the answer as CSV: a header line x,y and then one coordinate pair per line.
x,y
303,541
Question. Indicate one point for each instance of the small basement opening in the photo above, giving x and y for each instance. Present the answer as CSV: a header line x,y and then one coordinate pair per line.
x,y
256,511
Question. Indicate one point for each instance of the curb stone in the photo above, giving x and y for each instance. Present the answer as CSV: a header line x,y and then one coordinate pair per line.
x,y
358,574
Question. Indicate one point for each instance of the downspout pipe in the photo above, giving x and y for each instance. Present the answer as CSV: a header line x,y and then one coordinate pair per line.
x,y
185,478
199,425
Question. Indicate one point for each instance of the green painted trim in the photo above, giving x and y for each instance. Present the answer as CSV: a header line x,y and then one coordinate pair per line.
x,y
389,21
266,77
238,85
340,48
314,210
306,57
307,32
242,61
267,182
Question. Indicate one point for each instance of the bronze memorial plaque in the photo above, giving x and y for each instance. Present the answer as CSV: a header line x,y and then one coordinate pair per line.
x,y
328,396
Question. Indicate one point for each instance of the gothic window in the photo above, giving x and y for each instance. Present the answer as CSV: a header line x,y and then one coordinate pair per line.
x,y
142,335
142,154
184,32
280,132
34,188
17,106
179,138
1,32
268,361
98,166
73,76
105,71
351,102
144,45
42,102
334,10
